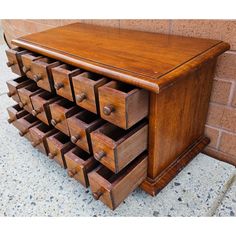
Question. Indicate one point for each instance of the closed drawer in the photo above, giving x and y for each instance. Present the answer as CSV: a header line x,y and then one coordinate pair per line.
x,y
116,148
15,61
122,104
60,111
15,84
24,124
58,145
42,74
86,90
80,127
27,61
62,80
112,188
25,94
39,133
15,112
79,164
40,103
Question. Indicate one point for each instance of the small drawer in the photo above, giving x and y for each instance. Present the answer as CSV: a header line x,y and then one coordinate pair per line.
x,y
42,73
79,164
112,188
39,133
60,111
62,80
24,124
40,103
25,93
58,145
15,61
15,112
122,104
86,90
14,85
80,127
116,148
27,61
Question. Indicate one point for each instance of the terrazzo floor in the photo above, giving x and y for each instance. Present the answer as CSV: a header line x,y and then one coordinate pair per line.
x,y
33,185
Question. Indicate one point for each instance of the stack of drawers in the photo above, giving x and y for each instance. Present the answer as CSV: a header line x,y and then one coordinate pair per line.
x,y
91,125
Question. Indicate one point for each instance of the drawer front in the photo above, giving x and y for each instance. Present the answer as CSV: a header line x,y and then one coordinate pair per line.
x,y
27,61
15,61
25,94
60,111
79,164
86,90
40,103
24,124
116,148
39,133
62,80
15,112
15,84
112,188
120,102
42,74
80,126
58,145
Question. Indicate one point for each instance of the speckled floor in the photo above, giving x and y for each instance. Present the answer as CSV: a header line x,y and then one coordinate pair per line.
x,y
33,185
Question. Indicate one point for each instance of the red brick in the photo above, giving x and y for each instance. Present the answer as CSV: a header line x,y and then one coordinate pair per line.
x,y
229,119
234,98
215,114
221,91
213,134
228,143
110,23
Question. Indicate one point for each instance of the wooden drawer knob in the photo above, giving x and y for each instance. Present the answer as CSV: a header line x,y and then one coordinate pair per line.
x,y
22,104
54,122
72,173
107,110
9,63
98,194
52,155
58,86
23,133
10,120
75,138
34,144
81,97
99,155
37,78
36,112
10,94
25,69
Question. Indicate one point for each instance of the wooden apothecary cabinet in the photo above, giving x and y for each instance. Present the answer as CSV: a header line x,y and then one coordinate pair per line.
x,y
147,93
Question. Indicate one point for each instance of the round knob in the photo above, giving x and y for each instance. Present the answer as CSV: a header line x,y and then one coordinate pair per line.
x,y
36,78
23,133
10,120
10,94
10,63
34,144
58,86
22,104
52,155
54,122
107,110
25,69
99,155
75,138
98,194
80,97
71,173
35,112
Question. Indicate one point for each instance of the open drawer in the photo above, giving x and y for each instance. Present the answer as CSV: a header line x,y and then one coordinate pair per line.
x,y
15,112
122,104
112,188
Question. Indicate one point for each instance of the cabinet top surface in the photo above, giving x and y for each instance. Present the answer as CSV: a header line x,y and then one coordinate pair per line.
x,y
127,54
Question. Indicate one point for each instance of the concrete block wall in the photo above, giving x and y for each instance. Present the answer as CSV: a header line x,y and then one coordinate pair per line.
x,y
221,121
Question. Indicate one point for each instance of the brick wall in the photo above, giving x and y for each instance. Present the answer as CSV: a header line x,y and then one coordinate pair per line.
x,y
221,122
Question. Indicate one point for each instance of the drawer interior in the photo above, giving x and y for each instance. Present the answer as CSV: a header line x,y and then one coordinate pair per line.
x,y
91,76
81,153
87,117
